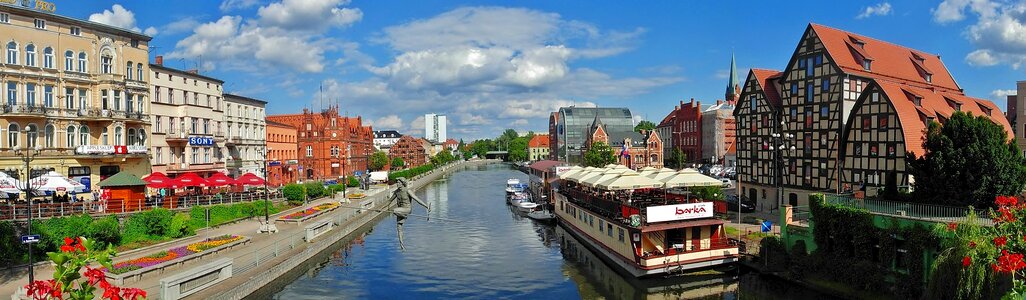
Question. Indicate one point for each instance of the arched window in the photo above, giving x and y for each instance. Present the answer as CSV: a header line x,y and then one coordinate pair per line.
x,y
12,135
70,138
31,136
119,136
12,53
69,60
106,63
105,137
83,135
49,140
138,68
141,141
48,58
30,55
131,135
83,62
128,70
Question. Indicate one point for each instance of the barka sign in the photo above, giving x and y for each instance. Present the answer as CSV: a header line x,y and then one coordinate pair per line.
x,y
676,212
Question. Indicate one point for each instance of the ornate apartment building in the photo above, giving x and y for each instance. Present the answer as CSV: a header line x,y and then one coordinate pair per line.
x,y
186,115
330,145
246,134
412,150
283,159
77,91
854,106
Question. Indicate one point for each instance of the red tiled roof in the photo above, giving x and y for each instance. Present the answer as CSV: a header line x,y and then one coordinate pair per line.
x,y
766,79
934,103
545,165
889,61
539,141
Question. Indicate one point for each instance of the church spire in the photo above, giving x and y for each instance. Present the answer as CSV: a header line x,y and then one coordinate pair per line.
x,y
733,87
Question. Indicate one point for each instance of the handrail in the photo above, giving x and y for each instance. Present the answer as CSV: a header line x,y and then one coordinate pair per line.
x,y
9,211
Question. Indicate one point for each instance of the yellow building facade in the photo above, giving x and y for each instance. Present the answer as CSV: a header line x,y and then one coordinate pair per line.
x,y
77,91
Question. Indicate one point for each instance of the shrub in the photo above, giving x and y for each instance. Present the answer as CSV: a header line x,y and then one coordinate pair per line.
x,y
11,249
134,230
157,221
352,181
294,193
314,189
54,230
106,231
245,209
180,226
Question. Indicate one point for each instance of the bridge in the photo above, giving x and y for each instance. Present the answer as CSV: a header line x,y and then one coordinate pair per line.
x,y
503,155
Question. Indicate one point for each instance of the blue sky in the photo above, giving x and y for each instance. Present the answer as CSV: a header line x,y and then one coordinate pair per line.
x,y
490,65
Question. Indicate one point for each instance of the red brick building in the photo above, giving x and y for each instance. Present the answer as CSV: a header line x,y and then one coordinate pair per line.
x,y
282,159
685,123
410,149
329,145
632,149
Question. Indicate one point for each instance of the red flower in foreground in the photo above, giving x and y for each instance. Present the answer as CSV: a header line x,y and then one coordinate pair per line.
x,y
1005,215
965,262
112,293
133,293
952,226
44,289
1006,201
72,245
1009,262
96,276
1000,241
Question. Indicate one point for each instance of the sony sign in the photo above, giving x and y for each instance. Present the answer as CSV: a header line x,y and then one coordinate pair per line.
x,y
676,212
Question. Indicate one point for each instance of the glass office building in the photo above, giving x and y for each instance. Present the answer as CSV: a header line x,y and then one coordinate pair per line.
x,y
574,125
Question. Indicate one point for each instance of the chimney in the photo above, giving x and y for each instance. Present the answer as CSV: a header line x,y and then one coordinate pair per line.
x,y
159,60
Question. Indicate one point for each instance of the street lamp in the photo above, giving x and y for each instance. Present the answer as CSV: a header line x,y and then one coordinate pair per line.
x,y
27,156
268,227
778,145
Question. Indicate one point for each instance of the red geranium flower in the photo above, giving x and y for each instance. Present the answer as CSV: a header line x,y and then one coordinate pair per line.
x,y
133,293
952,226
1006,201
1009,262
95,276
72,245
965,262
40,289
1005,215
1000,241
112,293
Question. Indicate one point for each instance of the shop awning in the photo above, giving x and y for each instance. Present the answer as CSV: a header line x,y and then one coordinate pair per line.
x,y
190,180
158,180
122,179
220,179
249,179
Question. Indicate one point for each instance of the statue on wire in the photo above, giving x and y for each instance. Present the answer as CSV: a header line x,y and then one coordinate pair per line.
x,y
404,206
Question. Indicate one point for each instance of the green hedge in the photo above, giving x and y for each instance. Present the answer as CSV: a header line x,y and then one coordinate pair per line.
x,y
294,193
314,189
408,173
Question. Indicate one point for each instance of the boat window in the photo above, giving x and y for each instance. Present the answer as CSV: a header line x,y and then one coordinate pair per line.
x,y
609,230
621,234
602,225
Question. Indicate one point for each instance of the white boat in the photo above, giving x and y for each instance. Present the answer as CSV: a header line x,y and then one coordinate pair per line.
x,y
519,197
541,215
527,206
511,185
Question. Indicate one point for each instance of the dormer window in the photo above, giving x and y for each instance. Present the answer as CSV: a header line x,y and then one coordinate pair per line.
x,y
928,77
954,105
918,101
867,64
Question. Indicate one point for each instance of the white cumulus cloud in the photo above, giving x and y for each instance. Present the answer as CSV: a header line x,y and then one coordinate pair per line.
x,y
118,16
999,32
1002,94
881,9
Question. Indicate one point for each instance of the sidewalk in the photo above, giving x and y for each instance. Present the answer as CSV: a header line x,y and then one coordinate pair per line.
x,y
247,227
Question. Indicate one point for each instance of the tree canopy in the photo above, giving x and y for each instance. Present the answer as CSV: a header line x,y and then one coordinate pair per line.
x,y
398,163
968,161
644,125
378,160
599,155
676,159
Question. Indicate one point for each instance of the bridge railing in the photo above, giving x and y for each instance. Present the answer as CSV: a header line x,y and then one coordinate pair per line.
x,y
20,211
920,211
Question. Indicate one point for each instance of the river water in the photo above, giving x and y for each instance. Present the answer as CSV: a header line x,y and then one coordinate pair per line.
x,y
492,252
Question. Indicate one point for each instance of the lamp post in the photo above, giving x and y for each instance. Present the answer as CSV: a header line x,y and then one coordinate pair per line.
x,y
268,227
778,145
27,156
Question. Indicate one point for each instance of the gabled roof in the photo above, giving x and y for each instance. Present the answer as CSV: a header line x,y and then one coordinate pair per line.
x,y
545,165
890,61
933,104
539,141
766,80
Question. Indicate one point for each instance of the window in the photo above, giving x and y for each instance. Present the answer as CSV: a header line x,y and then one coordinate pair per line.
x,y
824,85
195,155
609,229
867,64
104,137
31,136
131,136
128,70
83,135
309,151
82,62
48,136
752,98
76,31
69,60
117,100
48,96
819,59
206,126
158,156
139,71
106,64
129,103
5,18
194,123
918,101
808,92
602,225
69,98
873,151
30,55
171,95
807,145
119,136
157,124
883,122
206,155
12,135
808,67
866,122
794,112
12,93
928,77
30,94
808,118
48,58
794,89
12,53
69,138
83,99
620,232
40,24
135,43
824,111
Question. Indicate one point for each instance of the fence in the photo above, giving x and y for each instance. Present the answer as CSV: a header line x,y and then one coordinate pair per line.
x,y
921,211
10,211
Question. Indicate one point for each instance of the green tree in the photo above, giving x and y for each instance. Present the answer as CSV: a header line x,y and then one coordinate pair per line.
x,y
481,147
518,149
968,161
599,155
295,193
676,159
708,192
398,163
442,158
644,125
378,160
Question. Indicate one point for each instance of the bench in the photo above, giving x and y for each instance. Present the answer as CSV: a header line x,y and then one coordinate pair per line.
x,y
191,281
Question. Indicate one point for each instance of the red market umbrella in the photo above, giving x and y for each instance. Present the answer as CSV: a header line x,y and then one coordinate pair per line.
x,y
190,180
219,179
249,179
158,180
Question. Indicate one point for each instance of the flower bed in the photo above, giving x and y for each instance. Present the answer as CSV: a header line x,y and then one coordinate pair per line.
x,y
309,212
173,254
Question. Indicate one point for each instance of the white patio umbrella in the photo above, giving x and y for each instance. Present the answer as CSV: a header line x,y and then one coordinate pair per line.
x,y
662,174
54,181
10,185
690,178
630,181
585,174
647,170
573,170
606,176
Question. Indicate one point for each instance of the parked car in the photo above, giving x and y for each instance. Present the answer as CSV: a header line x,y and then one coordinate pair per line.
x,y
726,182
746,206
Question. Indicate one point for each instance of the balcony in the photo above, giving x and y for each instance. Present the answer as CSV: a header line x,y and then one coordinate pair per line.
x,y
175,135
138,85
77,76
137,116
110,78
25,110
186,167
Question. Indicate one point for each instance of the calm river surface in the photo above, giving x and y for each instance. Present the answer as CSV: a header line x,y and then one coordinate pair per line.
x,y
494,253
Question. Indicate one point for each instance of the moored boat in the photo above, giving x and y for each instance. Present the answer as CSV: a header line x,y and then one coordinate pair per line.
x,y
542,215
527,206
634,224
511,185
